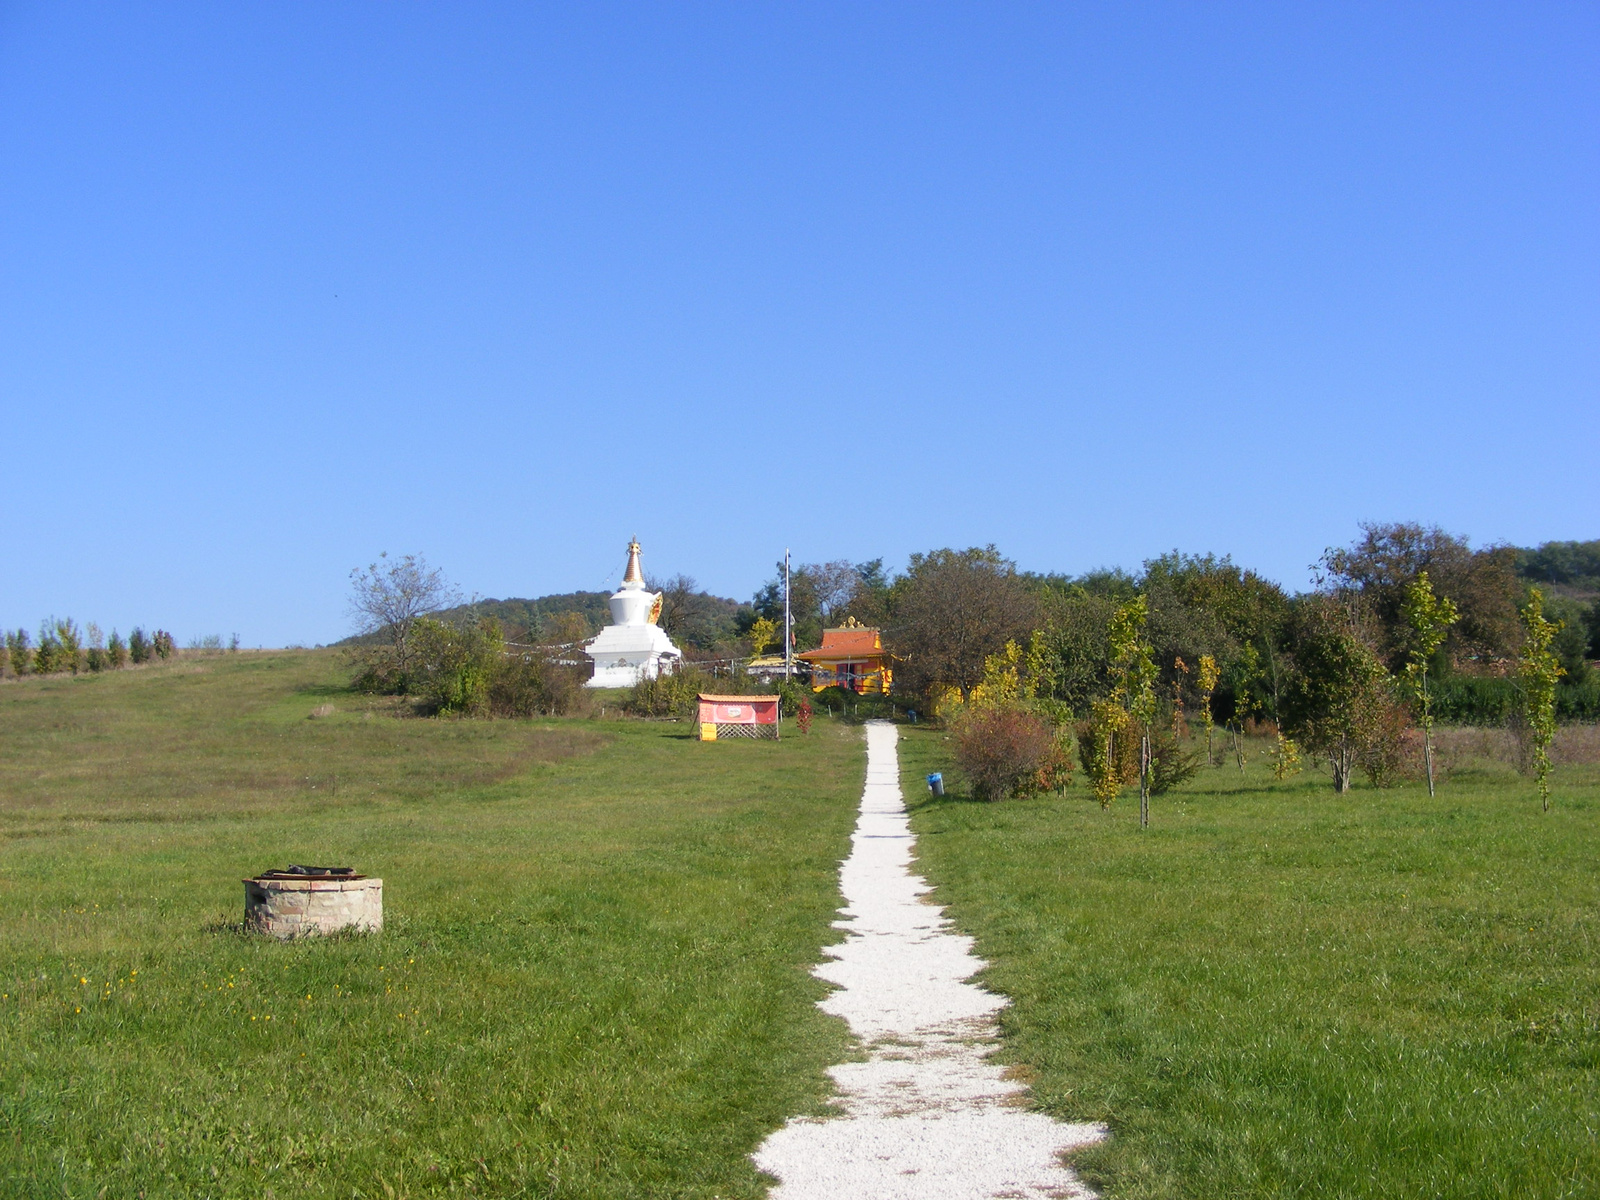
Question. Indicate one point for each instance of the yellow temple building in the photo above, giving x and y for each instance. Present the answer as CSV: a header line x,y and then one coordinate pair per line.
x,y
850,656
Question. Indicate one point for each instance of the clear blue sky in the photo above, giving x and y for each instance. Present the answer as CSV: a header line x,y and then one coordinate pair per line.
x,y
285,285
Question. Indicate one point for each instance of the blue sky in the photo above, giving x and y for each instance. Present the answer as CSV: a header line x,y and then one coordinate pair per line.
x,y
283,286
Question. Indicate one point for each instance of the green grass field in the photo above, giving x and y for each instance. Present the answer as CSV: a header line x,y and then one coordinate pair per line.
x,y
1277,991
594,976
593,979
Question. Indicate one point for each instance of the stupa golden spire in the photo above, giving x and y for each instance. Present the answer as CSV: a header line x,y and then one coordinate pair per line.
x,y
633,574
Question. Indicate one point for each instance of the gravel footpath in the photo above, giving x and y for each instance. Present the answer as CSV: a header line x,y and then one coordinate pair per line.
x,y
926,1117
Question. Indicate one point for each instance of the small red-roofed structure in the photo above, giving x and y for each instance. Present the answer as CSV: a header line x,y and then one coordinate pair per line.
x,y
739,716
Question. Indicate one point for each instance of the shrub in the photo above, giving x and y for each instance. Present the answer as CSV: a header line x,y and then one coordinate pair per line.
x,y
792,695
163,645
116,652
673,695
453,666
1170,763
1390,747
47,656
1125,746
138,647
837,699
1008,751
19,648
1579,701
527,685
380,676
1474,699
69,641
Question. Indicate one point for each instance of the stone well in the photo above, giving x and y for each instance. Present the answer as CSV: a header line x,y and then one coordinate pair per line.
x,y
312,900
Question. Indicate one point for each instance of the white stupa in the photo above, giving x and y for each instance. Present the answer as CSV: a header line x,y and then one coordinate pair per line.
x,y
633,646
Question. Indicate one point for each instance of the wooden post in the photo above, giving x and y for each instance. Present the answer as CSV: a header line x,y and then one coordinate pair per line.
x,y
1144,780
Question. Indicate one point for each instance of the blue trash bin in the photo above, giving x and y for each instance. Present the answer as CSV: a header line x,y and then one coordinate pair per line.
x,y
936,784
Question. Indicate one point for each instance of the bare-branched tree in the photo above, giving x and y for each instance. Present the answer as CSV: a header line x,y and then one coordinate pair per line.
x,y
390,595
836,585
678,607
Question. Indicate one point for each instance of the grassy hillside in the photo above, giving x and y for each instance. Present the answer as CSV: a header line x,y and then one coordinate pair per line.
x,y
1276,991
593,980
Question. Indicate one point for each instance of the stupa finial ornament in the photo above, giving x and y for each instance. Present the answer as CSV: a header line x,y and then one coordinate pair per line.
x,y
633,573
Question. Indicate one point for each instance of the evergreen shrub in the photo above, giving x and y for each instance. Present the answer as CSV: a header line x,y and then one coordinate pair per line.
x,y
19,648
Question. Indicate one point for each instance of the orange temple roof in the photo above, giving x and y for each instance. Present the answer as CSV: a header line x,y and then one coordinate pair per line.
x,y
846,643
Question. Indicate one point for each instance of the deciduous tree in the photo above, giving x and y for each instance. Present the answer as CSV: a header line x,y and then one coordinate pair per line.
x,y
390,596
1245,669
951,611
763,633
1126,709
47,655
1337,689
452,666
1427,620
1136,670
69,646
1372,575
1539,671
1209,676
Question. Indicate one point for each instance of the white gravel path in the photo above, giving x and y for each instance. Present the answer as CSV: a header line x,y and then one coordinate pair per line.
x,y
926,1117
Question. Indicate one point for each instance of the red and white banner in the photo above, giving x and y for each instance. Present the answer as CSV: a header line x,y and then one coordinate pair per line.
x,y
755,711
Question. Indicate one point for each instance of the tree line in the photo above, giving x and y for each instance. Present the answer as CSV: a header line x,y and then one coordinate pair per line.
x,y
1401,624
63,648
1405,627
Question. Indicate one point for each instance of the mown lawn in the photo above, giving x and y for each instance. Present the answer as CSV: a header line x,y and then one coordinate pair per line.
x,y
593,980
1277,991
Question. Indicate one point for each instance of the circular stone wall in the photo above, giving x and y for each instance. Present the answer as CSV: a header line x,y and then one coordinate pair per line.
x,y
289,908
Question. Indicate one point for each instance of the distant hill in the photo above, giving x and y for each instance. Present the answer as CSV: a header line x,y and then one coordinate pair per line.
x,y
523,620
691,618
527,620
1570,568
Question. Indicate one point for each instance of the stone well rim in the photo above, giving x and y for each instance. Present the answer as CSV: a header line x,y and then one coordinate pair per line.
x,y
313,884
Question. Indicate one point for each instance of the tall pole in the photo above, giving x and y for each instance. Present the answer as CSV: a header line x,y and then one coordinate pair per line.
x,y
788,637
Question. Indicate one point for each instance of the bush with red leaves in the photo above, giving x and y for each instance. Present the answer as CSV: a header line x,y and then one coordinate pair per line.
x,y
1005,751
